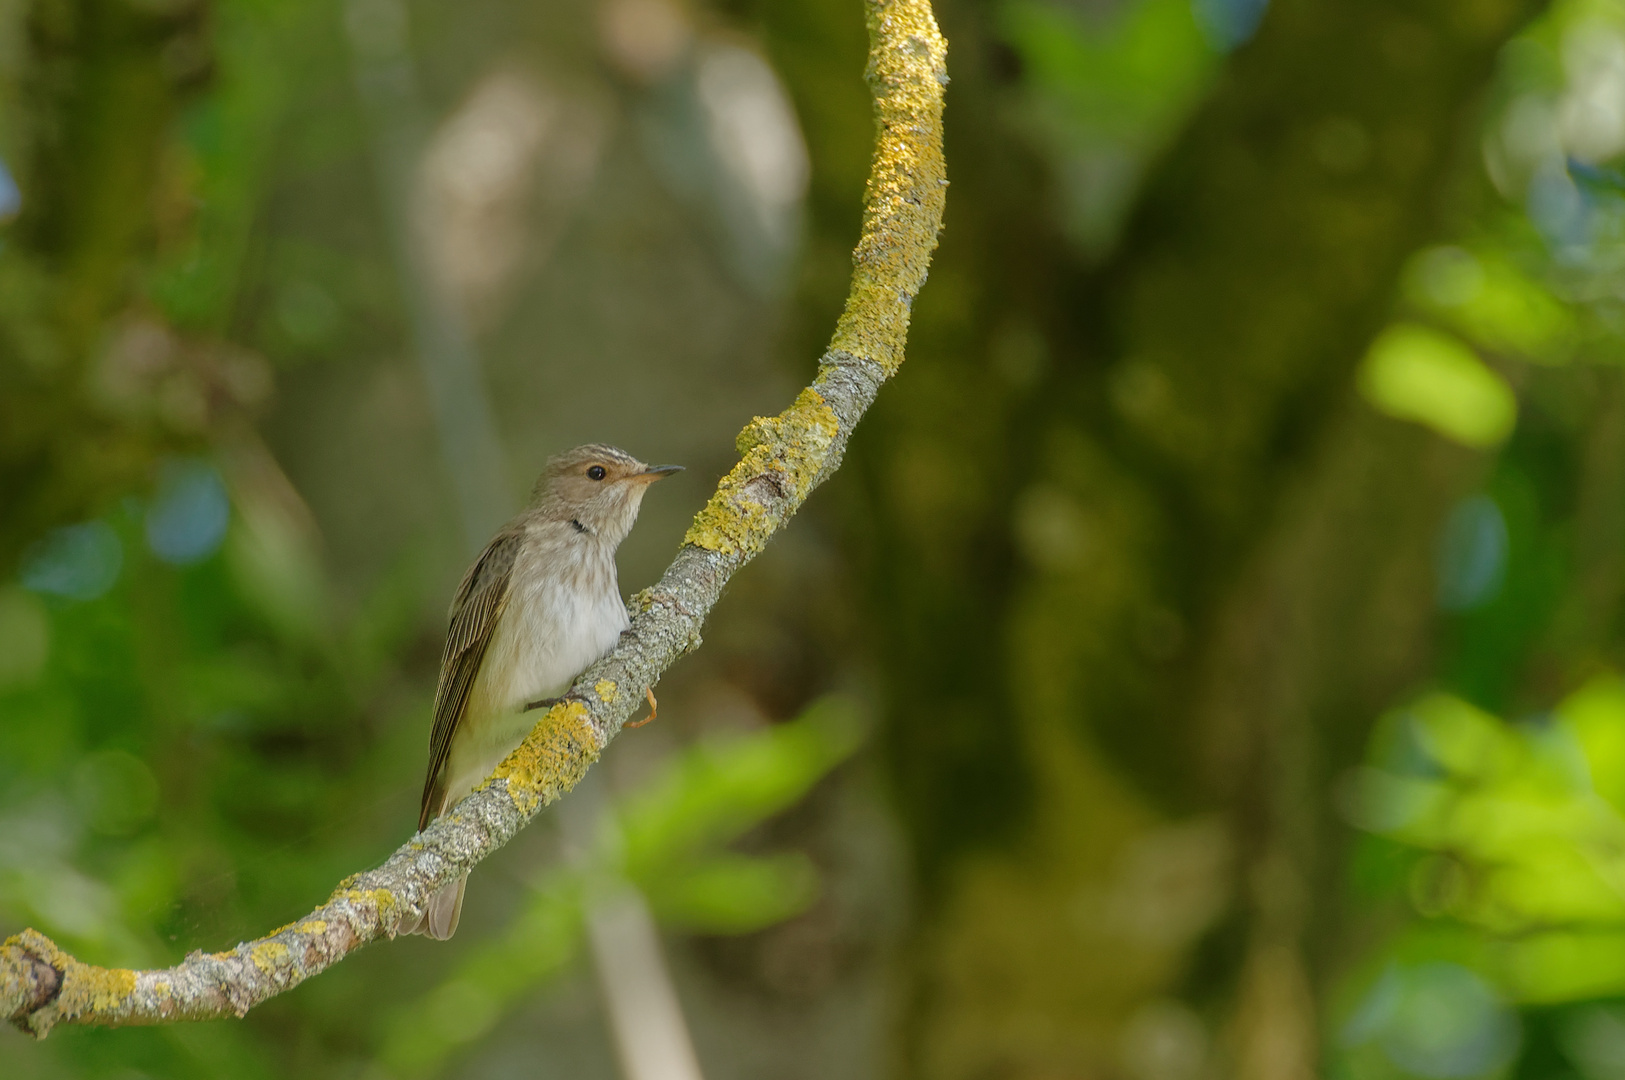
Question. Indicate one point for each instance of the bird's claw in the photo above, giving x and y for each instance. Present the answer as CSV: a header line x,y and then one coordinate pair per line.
x,y
544,703
653,709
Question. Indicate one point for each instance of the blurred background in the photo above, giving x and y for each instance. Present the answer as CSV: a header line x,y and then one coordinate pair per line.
x,y
1206,665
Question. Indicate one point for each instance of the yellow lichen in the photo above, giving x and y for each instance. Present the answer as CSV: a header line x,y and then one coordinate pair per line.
x,y
88,989
268,954
381,899
313,926
552,759
902,212
783,453
606,690
41,946
903,202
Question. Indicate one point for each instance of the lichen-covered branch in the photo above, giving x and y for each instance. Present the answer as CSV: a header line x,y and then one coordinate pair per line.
x,y
783,459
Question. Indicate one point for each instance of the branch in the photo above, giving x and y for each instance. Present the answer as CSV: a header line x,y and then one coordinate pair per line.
x,y
783,459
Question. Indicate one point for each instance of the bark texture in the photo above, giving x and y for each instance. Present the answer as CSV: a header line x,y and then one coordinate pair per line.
x,y
783,459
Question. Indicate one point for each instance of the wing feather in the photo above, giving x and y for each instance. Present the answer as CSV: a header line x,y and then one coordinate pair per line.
x,y
475,611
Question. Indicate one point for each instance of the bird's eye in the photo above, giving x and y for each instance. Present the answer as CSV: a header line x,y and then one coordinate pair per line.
x,y
596,472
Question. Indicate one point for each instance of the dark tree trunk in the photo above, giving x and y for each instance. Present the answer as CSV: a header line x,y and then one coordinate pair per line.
x,y
1138,614
100,83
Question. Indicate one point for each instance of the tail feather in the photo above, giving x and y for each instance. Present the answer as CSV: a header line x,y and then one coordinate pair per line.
x,y
440,916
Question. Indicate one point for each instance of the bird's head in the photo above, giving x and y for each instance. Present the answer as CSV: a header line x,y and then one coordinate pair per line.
x,y
597,487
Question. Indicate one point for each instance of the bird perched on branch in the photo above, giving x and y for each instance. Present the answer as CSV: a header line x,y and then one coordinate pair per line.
x,y
538,606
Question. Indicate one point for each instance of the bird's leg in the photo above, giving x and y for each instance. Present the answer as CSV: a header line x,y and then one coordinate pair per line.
x,y
650,694
544,703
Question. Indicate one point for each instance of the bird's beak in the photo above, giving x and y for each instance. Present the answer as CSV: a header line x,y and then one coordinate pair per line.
x,y
657,472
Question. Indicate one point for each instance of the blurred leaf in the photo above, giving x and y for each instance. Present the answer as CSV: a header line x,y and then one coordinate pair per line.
x,y
1126,74
25,638
733,894
1101,93
1414,373
664,840
1487,298
1529,851
1596,715
1467,741
1560,965
537,945
717,791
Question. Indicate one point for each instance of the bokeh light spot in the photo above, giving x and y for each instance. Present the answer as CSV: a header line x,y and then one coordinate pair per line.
x,y
1557,206
1472,554
1437,1020
1228,24
11,197
1414,373
80,562
188,517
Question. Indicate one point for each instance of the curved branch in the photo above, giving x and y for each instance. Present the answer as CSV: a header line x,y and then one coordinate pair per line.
x,y
783,458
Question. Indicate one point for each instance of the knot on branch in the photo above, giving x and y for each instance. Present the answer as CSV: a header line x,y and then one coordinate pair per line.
x,y
47,984
29,981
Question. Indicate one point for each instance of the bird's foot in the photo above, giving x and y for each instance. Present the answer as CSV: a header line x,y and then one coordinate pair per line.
x,y
544,703
653,709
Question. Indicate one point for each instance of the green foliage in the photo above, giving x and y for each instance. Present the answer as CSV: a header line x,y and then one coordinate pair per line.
x,y
1485,296
1518,871
1103,94
714,793
666,841
1505,840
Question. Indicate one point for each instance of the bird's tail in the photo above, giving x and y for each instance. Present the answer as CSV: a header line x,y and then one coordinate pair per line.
x,y
439,918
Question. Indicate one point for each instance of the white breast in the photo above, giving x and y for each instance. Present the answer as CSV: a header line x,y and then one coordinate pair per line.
x,y
564,611
549,633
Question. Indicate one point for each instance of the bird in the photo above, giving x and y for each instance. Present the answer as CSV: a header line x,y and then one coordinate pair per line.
x,y
540,604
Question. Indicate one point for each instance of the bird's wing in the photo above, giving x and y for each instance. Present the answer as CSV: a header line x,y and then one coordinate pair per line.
x,y
474,615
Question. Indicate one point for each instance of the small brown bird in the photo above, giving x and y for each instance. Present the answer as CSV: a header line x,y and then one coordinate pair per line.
x,y
538,606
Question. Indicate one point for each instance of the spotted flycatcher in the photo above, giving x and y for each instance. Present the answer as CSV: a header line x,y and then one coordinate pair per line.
x,y
538,606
